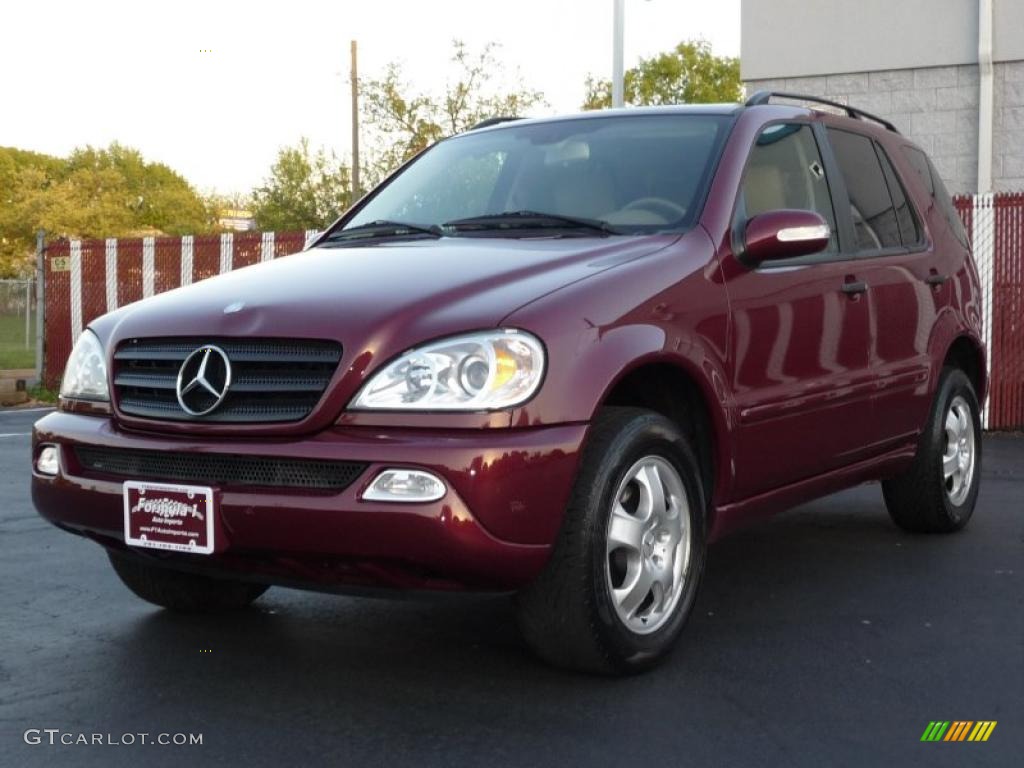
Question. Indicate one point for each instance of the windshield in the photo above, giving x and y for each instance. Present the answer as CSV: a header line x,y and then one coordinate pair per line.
x,y
634,174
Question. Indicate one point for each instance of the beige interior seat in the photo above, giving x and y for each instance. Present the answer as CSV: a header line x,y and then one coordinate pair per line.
x,y
764,189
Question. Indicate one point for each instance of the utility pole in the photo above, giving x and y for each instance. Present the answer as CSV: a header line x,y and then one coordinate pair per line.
x,y
618,22
355,125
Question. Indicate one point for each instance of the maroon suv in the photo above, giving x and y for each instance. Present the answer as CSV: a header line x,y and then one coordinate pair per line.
x,y
551,356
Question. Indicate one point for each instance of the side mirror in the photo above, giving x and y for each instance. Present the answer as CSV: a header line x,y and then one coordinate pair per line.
x,y
784,234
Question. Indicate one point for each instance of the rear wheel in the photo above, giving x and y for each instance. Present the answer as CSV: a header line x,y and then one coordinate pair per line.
x,y
624,571
183,592
937,494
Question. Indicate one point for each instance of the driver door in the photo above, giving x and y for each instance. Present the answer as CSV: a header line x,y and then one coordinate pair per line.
x,y
800,336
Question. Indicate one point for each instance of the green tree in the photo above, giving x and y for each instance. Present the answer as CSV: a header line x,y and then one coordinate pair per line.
x,y
305,190
218,202
406,121
688,74
111,192
114,192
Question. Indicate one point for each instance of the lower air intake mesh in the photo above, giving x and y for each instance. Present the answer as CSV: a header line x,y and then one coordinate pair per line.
x,y
220,469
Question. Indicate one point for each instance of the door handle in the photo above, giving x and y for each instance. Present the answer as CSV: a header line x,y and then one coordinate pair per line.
x,y
935,279
854,287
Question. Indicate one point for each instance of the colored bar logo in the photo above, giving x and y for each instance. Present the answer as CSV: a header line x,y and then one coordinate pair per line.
x,y
958,730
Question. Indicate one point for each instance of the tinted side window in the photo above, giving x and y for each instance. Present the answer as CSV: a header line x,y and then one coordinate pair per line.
x,y
874,219
785,170
919,162
910,232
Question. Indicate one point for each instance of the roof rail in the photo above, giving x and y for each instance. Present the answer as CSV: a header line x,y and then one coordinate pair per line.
x,y
494,121
765,97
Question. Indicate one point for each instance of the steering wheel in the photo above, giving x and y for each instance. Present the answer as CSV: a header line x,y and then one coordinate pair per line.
x,y
659,206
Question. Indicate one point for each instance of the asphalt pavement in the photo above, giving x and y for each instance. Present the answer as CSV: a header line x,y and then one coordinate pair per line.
x,y
823,637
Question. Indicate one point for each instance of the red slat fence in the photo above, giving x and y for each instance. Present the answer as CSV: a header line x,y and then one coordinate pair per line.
x,y
996,225
84,279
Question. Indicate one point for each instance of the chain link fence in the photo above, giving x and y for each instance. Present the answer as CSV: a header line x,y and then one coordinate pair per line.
x,y
18,326
995,223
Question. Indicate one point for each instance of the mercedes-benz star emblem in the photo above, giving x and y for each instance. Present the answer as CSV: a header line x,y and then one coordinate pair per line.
x,y
203,380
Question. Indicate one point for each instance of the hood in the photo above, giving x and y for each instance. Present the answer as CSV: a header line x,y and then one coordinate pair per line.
x,y
377,298
377,301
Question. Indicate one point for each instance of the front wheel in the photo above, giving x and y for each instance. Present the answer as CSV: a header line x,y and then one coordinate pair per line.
x,y
937,494
183,592
624,571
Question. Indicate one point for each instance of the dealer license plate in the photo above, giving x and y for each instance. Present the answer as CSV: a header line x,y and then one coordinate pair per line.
x,y
172,517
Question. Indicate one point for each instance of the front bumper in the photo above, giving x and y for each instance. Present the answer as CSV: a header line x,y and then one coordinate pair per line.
x,y
507,490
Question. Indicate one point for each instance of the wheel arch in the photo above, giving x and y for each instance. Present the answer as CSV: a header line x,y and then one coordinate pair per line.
x,y
952,342
966,353
670,386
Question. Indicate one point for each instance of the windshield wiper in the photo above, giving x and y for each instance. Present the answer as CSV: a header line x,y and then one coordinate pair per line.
x,y
528,220
382,228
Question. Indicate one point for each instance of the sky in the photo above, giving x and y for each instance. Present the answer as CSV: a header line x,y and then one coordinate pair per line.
x,y
215,88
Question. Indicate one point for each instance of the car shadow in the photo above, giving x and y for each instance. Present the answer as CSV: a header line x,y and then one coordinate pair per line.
x,y
827,551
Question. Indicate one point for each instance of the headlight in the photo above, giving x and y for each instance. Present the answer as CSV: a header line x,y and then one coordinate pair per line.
x,y
477,372
85,376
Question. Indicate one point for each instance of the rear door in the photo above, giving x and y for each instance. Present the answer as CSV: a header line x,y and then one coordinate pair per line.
x,y
896,261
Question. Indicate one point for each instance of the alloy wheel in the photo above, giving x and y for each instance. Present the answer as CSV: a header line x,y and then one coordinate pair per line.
x,y
959,453
648,544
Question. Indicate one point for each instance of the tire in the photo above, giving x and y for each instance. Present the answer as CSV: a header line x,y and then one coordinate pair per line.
x,y
183,592
573,615
924,499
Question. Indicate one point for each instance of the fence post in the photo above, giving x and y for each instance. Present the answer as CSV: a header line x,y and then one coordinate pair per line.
x,y
28,312
40,301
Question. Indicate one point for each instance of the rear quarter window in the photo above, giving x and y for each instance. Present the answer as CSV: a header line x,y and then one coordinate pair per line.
x,y
921,163
910,230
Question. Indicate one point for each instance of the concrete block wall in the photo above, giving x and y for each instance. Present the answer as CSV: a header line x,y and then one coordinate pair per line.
x,y
937,107
1008,128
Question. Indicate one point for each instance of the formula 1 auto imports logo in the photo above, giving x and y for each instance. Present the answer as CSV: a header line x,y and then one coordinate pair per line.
x,y
167,508
958,730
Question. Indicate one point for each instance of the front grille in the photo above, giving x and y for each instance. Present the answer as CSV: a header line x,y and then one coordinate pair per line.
x,y
273,380
220,469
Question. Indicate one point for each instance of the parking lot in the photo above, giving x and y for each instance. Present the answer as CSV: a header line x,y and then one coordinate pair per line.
x,y
824,637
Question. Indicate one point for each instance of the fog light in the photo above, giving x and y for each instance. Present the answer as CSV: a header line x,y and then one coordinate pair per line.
x,y
409,485
47,462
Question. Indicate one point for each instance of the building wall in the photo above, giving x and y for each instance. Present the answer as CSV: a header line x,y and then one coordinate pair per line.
x,y
911,61
937,107
795,38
